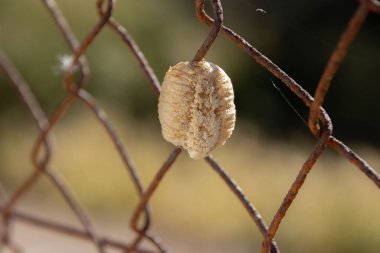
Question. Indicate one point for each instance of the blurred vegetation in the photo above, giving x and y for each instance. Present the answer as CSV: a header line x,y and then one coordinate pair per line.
x,y
193,210
335,210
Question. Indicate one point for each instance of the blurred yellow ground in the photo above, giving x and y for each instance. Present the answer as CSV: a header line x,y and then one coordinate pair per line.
x,y
193,211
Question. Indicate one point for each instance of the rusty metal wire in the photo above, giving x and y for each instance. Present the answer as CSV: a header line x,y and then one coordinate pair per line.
x,y
320,126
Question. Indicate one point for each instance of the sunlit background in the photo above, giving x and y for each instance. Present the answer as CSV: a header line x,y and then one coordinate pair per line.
x,y
193,210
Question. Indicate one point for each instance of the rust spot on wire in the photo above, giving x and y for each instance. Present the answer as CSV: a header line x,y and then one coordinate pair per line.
x,y
296,186
253,213
373,5
215,28
147,195
137,53
334,62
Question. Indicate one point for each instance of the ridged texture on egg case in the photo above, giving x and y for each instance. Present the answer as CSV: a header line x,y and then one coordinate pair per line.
x,y
196,108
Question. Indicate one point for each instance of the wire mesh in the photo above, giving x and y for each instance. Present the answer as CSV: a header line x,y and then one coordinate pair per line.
x,y
320,126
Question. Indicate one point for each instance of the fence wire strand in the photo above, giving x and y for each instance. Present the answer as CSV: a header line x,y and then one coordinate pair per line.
x,y
319,123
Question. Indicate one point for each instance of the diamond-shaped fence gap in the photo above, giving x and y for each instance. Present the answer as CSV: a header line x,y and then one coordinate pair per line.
x,y
40,207
255,175
90,164
191,199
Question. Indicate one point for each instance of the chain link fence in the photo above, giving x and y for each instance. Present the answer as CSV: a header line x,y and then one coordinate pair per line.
x,y
319,123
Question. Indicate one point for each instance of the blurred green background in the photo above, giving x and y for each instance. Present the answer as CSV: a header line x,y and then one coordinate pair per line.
x,y
336,209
